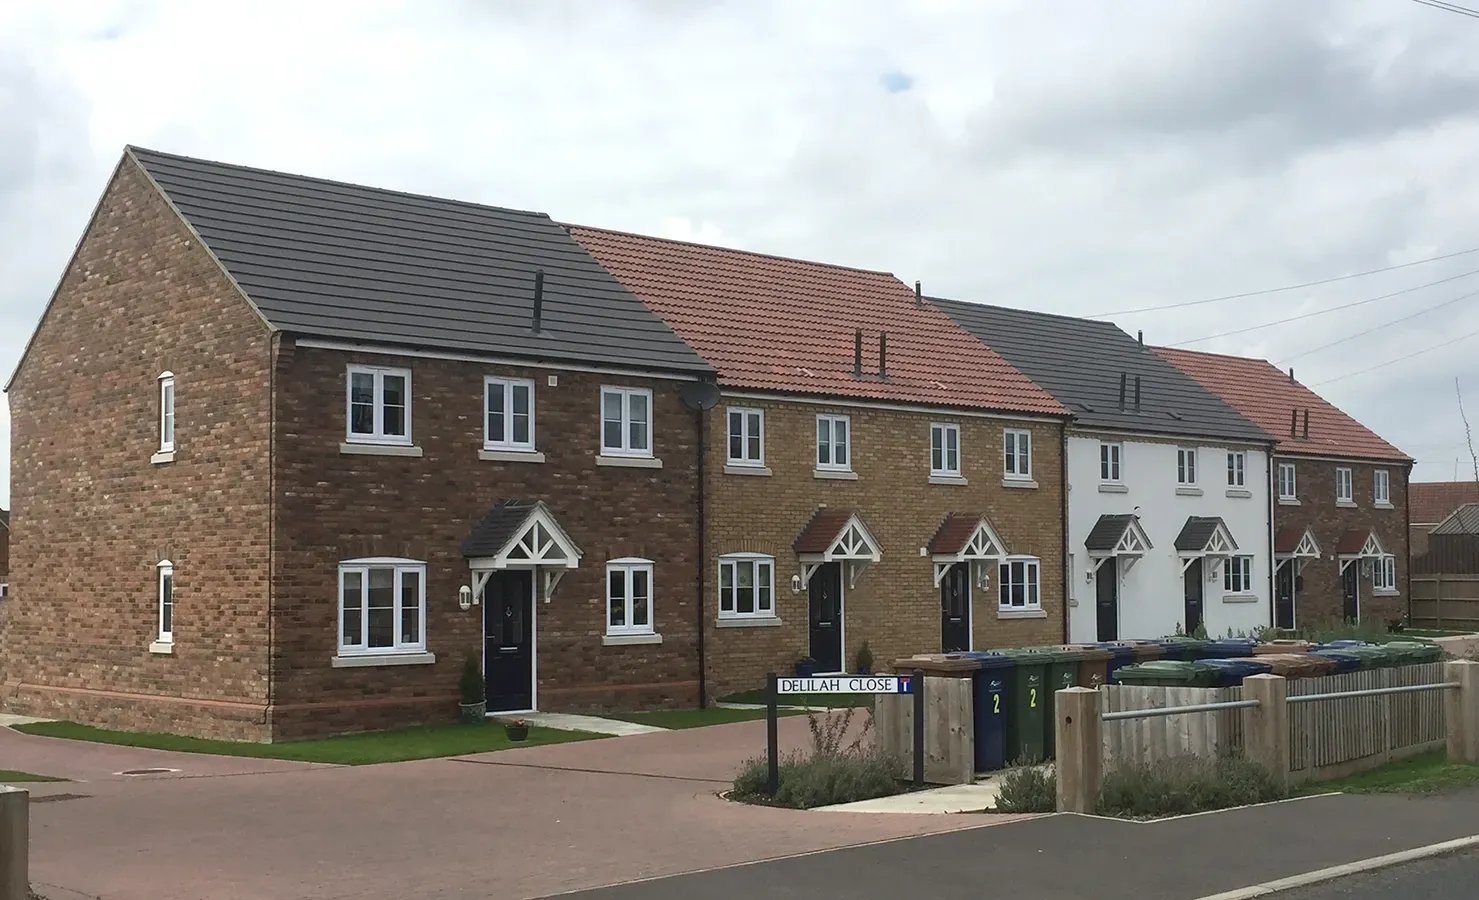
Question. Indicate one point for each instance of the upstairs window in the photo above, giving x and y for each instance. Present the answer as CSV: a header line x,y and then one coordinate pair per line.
x,y
833,448
629,596
1017,453
379,405
1286,481
746,437
746,586
1186,466
1109,461
382,606
1236,463
167,412
626,421
508,420
1343,492
1381,488
945,450
166,573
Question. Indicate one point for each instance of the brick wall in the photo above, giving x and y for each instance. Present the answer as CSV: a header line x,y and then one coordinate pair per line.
x,y
1321,599
336,507
92,516
895,606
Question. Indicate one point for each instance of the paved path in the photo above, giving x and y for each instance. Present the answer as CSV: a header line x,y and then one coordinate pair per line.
x,y
1442,878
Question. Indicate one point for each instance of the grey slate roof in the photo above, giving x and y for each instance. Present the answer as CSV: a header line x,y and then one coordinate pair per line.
x,y
341,261
1107,532
1197,531
1080,361
498,527
1464,520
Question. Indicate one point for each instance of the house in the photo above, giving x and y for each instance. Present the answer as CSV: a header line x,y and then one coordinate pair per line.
x,y
286,452
1168,486
1429,503
1340,513
873,473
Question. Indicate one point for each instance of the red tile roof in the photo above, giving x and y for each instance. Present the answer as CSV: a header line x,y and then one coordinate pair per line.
x,y
1352,541
1433,501
954,533
1267,396
826,523
769,323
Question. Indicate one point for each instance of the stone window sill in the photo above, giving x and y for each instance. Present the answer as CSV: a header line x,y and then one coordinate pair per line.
x,y
1240,493
372,660
1021,614
834,474
1346,504
1384,506
1239,598
163,456
1026,484
162,648
624,640
1109,487
748,622
733,469
630,462
522,456
948,479
1186,491
349,448
1385,593
1288,501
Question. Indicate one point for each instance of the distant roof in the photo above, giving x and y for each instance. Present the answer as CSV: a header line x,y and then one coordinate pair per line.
x,y
361,264
1269,396
1081,361
770,323
1432,501
1464,520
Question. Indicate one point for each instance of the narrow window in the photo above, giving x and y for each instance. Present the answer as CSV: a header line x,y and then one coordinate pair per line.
x,y
626,421
379,405
382,606
1286,481
167,412
166,571
1109,461
746,438
945,450
833,447
1237,575
508,422
1384,575
746,586
1381,488
629,596
1186,466
1343,486
1236,462
1017,450
1018,585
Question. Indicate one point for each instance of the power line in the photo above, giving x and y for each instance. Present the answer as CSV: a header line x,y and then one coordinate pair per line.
x,y
1382,326
1321,312
1393,362
1290,287
1450,7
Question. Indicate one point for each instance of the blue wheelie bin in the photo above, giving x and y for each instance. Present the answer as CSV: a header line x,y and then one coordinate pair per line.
x,y
1344,660
1120,655
1230,648
990,699
1231,672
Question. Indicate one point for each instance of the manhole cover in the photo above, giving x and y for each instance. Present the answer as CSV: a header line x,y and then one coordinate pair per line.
x,y
146,771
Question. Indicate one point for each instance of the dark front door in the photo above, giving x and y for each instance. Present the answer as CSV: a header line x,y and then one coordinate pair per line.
x,y
1193,581
1284,595
826,617
955,609
508,640
1350,585
1107,599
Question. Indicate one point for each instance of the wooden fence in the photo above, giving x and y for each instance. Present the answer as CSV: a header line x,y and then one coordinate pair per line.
x,y
1445,601
1150,740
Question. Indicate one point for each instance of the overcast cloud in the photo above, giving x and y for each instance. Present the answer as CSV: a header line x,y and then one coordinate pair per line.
x,y
1074,156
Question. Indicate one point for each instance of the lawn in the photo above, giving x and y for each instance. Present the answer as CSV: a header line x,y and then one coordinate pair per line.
x,y
1434,632
11,776
814,701
346,750
1426,774
696,718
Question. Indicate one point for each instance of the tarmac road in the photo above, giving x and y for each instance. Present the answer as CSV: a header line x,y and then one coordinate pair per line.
x,y
1454,877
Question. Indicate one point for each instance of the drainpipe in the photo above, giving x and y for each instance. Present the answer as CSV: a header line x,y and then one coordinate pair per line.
x,y
1270,488
703,562
1407,539
1063,486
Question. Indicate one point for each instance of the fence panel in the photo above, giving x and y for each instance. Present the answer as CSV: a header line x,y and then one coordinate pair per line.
x,y
1330,737
1155,739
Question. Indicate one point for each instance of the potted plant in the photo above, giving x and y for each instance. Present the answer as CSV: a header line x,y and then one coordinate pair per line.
x,y
805,667
474,696
517,730
865,659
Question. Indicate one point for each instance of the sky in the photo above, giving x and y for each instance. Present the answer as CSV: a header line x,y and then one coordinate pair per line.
x,y
1071,156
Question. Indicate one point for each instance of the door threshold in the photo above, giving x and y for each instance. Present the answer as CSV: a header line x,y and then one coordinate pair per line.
x,y
508,712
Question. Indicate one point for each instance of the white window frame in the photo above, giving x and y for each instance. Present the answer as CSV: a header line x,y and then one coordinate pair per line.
x,y
1111,462
165,610
941,436
1293,492
1016,454
1031,583
399,567
752,426
378,435
628,567
1186,466
625,448
1344,478
1381,487
832,465
1237,575
167,412
1237,469
729,605
1384,574
506,386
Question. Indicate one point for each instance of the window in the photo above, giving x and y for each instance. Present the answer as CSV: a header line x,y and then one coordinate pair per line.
x,y
1109,461
508,414
945,450
746,586
1017,449
166,571
746,437
1343,486
832,443
1236,461
1186,465
1286,481
167,412
382,606
629,596
1237,575
379,405
626,421
1019,586
1381,488
1384,575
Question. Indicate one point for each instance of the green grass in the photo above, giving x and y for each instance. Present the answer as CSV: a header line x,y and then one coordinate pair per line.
x,y
11,776
696,718
815,701
346,750
1435,632
1426,774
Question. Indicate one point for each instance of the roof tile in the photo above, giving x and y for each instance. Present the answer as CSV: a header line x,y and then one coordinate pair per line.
x,y
826,523
1352,541
1433,501
954,533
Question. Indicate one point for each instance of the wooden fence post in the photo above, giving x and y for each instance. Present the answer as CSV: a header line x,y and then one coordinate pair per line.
x,y
15,843
1462,710
1080,749
1266,726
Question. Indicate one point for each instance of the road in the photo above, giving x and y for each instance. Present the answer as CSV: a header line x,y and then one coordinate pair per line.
x,y
1442,878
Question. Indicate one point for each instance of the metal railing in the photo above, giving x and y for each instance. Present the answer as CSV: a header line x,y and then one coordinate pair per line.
x,y
1377,692
1176,710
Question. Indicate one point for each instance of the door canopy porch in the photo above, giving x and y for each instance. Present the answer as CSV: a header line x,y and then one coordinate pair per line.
x,y
1205,538
1297,545
836,535
519,534
968,538
1358,545
1117,536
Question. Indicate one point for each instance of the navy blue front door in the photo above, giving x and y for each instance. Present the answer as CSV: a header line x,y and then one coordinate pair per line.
x,y
955,608
508,640
825,595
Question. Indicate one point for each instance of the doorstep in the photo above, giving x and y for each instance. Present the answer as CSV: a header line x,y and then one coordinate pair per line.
x,y
572,722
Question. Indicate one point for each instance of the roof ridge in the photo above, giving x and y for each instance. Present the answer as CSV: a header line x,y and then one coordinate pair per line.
x,y
1032,312
775,256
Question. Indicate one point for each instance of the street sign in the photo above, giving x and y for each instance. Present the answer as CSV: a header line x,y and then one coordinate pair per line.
x,y
847,684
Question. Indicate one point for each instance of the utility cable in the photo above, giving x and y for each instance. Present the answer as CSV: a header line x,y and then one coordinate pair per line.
x,y
1450,7
1381,327
1393,362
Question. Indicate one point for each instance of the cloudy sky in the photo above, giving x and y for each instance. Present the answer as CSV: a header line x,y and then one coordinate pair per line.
x,y
1074,156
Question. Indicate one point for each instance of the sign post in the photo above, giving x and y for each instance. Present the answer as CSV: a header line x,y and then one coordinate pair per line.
x,y
772,739
839,684
919,728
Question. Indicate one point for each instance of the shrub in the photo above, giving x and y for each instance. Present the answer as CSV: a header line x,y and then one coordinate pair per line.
x,y
1028,788
865,658
472,685
1185,784
832,771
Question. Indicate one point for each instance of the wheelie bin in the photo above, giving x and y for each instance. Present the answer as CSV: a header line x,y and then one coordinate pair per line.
x,y
1299,665
1231,672
1345,660
990,702
1283,645
1188,649
1230,648
1062,673
1026,705
1119,655
1168,673
1413,653
1093,663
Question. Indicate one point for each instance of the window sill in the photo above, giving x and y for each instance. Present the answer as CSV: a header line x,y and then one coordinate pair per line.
x,y
523,456
163,456
630,462
1240,493
747,622
1026,484
1239,598
1110,487
162,648
1383,506
1346,504
834,474
1288,501
1021,614
372,660
1187,491
736,469
948,479
349,448
1385,593
623,640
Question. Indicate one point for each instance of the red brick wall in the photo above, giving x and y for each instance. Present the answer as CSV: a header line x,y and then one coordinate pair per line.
x,y
92,516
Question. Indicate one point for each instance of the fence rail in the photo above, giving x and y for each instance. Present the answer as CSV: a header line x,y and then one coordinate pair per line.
x,y
1176,710
1376,692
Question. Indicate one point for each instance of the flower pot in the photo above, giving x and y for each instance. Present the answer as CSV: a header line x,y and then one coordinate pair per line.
x,y
516,732
805,669
474,712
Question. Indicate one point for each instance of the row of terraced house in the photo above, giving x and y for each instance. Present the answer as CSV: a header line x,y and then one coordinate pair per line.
x,y
287,451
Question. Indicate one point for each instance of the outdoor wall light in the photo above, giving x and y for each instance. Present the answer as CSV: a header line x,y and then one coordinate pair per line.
x,y
464,596
795,584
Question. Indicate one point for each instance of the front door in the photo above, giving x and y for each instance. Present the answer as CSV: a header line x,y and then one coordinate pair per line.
x,y
1350,583
1107,599
1284,595
1193,582
825,594
508,640
955,609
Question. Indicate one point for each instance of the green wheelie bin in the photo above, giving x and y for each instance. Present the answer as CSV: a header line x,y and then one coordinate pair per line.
x,y
1026,706
1063,665
1168,673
